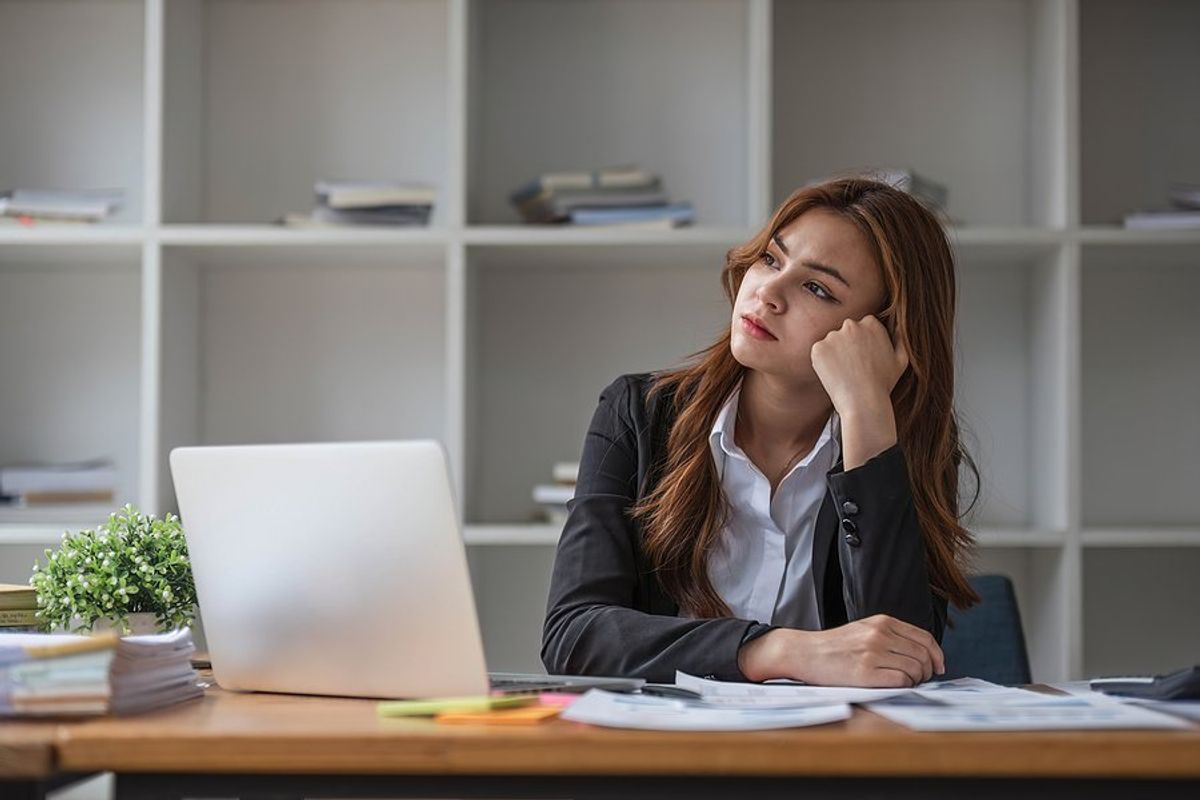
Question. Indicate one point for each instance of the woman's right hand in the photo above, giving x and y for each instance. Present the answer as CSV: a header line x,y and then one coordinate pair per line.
x,y
879,651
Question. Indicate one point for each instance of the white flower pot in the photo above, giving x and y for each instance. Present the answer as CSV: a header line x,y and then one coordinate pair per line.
x,y
140,622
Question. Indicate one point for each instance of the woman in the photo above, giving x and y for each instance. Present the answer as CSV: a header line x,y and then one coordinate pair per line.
x,y
786,505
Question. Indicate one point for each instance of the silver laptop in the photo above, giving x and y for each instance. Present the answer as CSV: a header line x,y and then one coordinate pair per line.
x,y
337,569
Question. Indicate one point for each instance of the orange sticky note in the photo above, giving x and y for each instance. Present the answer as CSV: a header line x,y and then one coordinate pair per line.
x,y
528,715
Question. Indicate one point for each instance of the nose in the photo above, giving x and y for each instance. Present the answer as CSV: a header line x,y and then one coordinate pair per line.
x,y
770,294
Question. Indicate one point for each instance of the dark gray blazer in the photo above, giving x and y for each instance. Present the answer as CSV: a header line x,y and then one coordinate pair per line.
x,y
607,614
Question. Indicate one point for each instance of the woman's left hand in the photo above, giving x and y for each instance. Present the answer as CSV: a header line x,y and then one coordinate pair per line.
x,y
859,366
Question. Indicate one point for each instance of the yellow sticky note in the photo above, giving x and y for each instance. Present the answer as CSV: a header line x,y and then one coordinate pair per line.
x,y
478,703
530,715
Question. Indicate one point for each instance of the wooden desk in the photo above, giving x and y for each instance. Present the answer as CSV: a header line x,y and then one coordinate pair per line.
x,y
230,744
28,759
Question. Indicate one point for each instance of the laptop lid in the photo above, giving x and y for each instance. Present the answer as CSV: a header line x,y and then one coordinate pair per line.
x,y
330,568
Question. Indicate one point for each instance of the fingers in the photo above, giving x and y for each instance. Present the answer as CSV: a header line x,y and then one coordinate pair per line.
x,y
921,637
909,651
912,669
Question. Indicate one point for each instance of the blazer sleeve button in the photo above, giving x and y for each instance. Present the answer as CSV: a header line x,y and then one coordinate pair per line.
x,y
850,508
853,540
848,526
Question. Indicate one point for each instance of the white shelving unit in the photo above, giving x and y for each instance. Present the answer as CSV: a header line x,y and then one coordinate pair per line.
x,y
190,318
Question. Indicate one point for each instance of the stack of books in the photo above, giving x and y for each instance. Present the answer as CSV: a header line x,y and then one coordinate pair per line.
x,y
18,608
933,194
623,195
1184,212
62,674
358,203
81,482
553,497
34,206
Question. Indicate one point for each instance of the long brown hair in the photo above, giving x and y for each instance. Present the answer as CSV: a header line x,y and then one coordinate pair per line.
x,y
684,514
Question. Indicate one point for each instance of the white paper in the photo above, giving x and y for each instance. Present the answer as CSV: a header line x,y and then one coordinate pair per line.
x,y
613,710
773,695
977,692
1065,714
1188,709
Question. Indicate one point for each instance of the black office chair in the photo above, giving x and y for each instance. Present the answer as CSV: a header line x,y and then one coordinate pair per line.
x,y
987,641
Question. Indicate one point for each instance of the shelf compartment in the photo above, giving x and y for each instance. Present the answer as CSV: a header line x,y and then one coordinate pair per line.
x,y
1040,580
71,390
1140,610
71,89
264,97
329,344
1140,387
923,90
1138,105
1010,390
551,327
581,85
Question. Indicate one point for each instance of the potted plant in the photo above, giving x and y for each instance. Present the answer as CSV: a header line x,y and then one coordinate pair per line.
x,y
130,575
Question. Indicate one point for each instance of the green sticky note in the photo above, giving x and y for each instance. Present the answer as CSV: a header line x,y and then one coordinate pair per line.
x,y
438,705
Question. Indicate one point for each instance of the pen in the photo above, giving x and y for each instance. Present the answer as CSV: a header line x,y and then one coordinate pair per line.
x,y
670,690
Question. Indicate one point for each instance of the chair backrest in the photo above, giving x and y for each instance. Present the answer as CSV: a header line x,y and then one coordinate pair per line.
x,y
987,641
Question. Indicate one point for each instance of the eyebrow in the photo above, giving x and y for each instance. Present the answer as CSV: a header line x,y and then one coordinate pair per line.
x,y
818,266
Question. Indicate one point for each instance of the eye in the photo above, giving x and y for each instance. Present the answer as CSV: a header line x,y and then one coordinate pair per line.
x,y
769,260
818,290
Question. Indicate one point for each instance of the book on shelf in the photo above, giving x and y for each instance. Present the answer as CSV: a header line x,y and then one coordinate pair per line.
x,y
580,197
671,216
553,494
933,193
96,475
77,205
1163,220
63,674
382,215
624,176
553,498
559,205
565,472
17,597
18,609
1185,195
930,192
342,204
18,618
38,499
347,194
23,221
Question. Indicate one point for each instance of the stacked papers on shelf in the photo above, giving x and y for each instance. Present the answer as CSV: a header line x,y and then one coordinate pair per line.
x,y
82,205
63,674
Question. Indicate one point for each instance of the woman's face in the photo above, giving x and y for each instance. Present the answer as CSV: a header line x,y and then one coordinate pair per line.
x,y
817,272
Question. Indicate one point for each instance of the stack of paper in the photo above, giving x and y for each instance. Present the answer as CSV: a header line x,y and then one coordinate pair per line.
x,y
352,202
60,205
49,674
966,704
91,481
644,712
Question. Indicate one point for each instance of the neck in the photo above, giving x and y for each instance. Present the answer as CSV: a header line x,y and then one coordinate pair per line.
x,y
773,413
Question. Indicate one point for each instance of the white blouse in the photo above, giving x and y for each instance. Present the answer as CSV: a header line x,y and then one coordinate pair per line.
x,y
762,564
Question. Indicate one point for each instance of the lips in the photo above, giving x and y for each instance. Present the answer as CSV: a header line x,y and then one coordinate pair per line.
x,y
755,327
